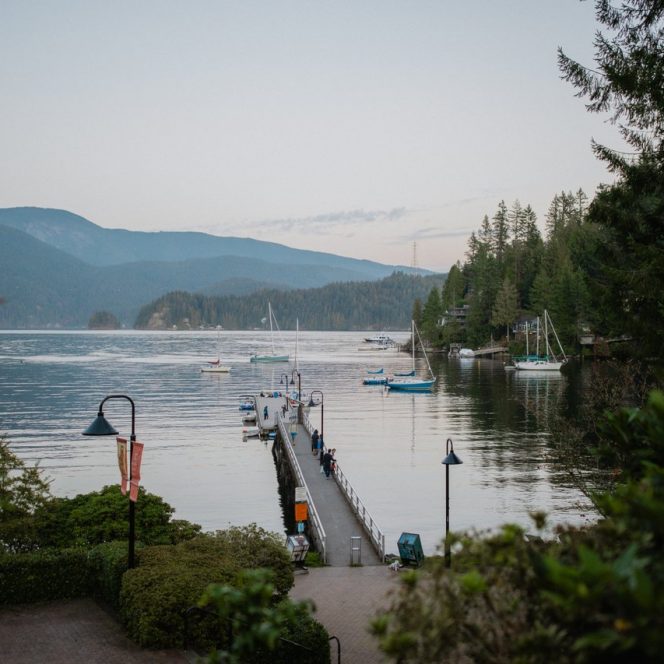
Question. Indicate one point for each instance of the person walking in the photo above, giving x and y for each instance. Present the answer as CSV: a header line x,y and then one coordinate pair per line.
x,y
314,442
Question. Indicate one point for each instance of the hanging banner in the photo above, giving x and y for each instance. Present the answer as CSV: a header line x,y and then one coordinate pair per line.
x,y
122,463
136,457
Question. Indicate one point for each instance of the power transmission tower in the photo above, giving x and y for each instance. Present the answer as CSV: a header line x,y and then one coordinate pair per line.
x,y
414,263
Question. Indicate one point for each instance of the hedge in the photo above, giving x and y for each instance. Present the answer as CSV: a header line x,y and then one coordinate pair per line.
x,y
108,563
170,579
44,575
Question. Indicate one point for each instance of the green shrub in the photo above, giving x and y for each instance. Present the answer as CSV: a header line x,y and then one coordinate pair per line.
x,y
44,575
307,632
108,563
170,579
256,629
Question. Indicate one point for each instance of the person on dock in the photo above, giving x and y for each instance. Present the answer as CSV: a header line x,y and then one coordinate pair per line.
x,y
328,461
265,413
314,442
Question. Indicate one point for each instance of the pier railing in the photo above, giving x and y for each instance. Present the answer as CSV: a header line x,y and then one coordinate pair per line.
x,y
317,530
375,534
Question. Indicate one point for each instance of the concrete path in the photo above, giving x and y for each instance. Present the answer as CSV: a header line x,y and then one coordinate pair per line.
x,y
75,631
338,519
346,600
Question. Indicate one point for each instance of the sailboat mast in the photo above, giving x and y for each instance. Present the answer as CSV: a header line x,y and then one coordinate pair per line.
x,y
527,335
412,336
269,313
546,335
537,342
297,333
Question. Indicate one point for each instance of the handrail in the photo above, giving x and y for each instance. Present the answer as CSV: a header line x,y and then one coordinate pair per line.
x,y
375,534
317,526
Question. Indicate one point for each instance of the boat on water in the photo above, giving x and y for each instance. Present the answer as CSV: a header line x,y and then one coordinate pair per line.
x,y
375,380
375,371
215,366
548,362
413,383
404,373
382,339
273,356
466,352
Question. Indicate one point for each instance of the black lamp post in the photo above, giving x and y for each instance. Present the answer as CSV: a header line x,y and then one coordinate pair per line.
x,y
450,459
322,412
299,383
102,427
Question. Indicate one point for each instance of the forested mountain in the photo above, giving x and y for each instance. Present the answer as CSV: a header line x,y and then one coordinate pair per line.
x,y
99,246
56,272
380,305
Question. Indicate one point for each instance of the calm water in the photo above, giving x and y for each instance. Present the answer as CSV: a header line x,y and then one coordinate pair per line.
x,y
390,445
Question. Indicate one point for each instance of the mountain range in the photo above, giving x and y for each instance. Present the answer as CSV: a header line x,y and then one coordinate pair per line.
x,y
59,268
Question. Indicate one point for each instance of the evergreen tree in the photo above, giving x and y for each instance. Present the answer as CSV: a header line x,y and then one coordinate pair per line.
x,y
453,288
505,308
501,232
431,314
627,81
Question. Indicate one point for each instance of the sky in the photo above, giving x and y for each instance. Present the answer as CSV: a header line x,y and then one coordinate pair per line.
x,y
373,129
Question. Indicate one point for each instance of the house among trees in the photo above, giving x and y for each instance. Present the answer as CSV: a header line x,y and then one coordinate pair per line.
x,y
454,315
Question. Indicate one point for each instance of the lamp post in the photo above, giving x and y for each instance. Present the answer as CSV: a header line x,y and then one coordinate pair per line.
x,y
450,459
102,427
322,405
299,383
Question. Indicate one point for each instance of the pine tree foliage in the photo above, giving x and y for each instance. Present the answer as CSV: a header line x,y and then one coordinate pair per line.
x,y
627,80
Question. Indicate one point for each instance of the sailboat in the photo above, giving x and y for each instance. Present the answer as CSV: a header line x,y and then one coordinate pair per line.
x,y
215,366
413,384
273,356
537,362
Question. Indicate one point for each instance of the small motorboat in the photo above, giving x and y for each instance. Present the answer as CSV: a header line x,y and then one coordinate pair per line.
x,y
249,416
251,432
375,380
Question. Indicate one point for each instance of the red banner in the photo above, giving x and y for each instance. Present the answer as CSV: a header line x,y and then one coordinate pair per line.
x,y
136,457
122,463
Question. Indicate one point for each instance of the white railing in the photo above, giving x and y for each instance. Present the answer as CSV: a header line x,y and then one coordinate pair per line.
x,y
375,534
317,529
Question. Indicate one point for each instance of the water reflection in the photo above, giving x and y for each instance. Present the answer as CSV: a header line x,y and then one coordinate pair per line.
x,y
390,444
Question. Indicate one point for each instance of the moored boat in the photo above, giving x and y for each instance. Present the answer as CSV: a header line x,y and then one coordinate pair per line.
x,y
413,383
537,362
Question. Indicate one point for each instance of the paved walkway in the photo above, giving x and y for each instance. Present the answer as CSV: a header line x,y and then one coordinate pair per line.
x,y
346,600
75,631
338,519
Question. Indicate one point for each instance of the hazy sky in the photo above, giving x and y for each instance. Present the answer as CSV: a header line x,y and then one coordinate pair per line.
x,y
355,127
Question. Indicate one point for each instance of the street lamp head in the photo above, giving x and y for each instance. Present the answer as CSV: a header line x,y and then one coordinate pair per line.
x,y
451,459
100,427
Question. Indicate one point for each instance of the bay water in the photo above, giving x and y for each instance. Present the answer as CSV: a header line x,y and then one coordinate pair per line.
x,y
389,445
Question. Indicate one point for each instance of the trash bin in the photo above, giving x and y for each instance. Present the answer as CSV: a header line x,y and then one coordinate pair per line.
x,y
410,549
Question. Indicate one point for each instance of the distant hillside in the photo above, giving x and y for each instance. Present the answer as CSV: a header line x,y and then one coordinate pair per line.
x,y
382,305
59,268
99,246
45,287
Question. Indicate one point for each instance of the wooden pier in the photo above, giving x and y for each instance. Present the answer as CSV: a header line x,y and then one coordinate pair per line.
x,y
339,525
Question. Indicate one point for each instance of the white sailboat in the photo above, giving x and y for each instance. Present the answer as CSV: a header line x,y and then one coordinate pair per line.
x,y
273,356
548,362
413,384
